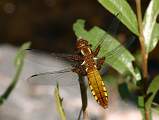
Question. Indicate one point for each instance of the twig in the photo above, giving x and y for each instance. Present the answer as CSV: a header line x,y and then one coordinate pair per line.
x,y
85,115
144,54
79,116
142,39
83,89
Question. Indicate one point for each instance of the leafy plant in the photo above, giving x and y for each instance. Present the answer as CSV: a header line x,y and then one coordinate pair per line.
x,y
19,61
146,29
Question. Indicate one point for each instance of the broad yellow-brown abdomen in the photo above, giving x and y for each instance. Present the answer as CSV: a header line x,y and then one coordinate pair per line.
x,y
97,87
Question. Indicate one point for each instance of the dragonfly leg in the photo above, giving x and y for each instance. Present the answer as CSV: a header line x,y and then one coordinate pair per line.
x,y
100,62
80,69
75,58
95,53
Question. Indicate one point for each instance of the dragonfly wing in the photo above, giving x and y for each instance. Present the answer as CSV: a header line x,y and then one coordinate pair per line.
x,y
50,69
112,29
119,49
63,77
118,56
113,48
48,60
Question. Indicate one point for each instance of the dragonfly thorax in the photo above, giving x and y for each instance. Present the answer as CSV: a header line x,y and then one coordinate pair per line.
x,y
83,46
81,43
87,53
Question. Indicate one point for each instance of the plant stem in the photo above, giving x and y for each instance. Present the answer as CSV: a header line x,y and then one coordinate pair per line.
x,y
144,54
141,38
85,115
83,89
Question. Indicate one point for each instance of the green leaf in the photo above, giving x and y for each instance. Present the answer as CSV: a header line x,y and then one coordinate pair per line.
x,y
138,75
120,61
141,102
152,91
59,103
124,11
19,61
141,106
151,27
21,53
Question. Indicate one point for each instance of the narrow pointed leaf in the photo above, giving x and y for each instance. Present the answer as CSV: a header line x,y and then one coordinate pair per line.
x,y
21,53
122,61
151,27
59,106
152,91
124,11
19,61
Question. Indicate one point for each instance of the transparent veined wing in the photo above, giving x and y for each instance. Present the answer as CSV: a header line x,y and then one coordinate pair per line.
x,y
63,77
112,29
52,60
119,49
115,53
114,48
50,69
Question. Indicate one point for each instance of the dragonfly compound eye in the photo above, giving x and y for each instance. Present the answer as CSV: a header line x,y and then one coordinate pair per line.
x,y
81,43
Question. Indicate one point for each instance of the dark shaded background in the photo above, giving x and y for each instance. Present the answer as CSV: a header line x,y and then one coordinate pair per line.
x,y
48,23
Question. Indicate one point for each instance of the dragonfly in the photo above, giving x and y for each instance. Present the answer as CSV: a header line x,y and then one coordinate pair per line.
x,y
87,64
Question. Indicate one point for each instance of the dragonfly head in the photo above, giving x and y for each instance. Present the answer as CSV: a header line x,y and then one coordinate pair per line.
x,y
81,43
